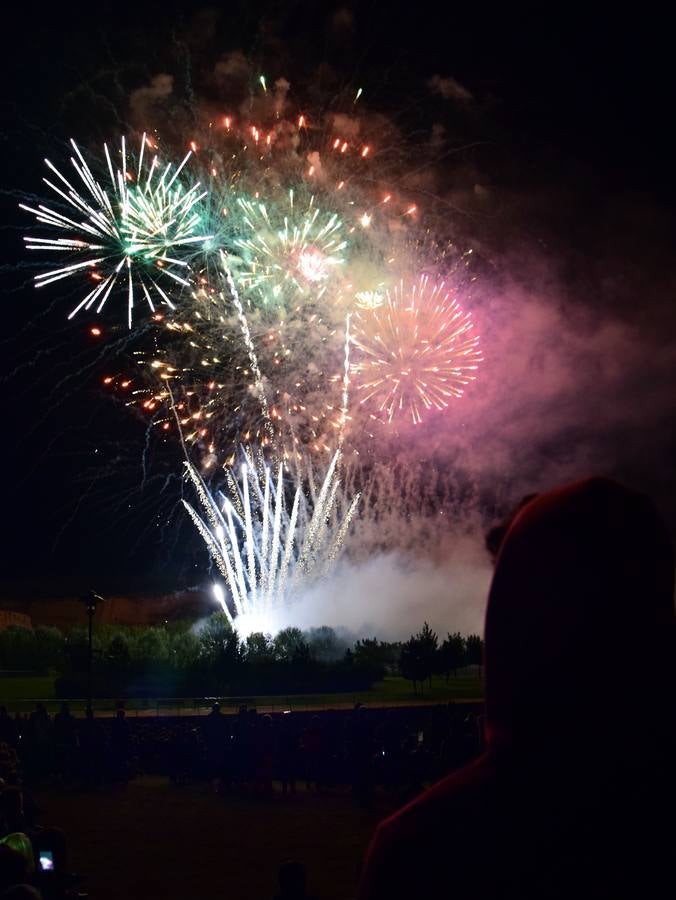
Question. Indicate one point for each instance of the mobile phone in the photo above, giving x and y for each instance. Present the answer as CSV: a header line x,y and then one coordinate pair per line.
x,y
46,860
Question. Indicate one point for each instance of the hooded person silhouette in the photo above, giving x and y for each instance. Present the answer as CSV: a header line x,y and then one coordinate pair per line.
x,y
575,789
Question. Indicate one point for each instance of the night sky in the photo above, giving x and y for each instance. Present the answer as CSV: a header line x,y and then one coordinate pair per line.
x,y
561,174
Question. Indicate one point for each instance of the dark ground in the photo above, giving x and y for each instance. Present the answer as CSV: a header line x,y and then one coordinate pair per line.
x,y
153,840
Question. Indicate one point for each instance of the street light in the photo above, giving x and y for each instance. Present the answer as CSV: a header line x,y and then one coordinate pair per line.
x,y
91,600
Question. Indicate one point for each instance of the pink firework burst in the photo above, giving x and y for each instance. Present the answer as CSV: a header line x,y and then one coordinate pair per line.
x,y
415,353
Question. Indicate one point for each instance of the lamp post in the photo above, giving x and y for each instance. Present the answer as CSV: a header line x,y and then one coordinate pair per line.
x,y
91,600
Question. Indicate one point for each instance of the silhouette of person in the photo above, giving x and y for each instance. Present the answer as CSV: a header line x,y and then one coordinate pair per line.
x,y
64,727
292,882
287,753
39,737
120,746
92,748
9,733
215,738
65,737
566,801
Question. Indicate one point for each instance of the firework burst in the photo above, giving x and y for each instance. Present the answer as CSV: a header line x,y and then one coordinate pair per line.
x,y
416,352
126,233
289,250
266,549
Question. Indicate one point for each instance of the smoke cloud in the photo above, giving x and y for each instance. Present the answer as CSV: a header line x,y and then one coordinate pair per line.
x,y
391,595
449,89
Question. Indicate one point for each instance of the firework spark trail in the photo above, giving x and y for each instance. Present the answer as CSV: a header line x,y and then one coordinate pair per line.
x,y
128,230
234,295
346,384
262,571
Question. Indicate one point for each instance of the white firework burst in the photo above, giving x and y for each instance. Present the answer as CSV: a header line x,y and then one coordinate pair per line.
x,y
265,552
128,232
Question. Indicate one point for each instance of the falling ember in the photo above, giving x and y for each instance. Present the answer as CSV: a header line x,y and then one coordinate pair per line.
x,y
415,353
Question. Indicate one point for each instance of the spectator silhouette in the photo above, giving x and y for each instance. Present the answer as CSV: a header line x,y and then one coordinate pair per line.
x,y
361,754
215,737
313,750
566,801
292,882
288,753
39,740
64,727
65,737
13,816
265,756
92,748
120,747
9,733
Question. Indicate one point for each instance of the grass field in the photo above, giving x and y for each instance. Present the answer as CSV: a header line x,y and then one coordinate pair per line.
x,y
18,692
152,840
26,687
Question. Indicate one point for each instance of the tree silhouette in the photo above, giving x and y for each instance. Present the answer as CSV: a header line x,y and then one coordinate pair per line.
x,y
286,642
452,654
377,656
409,662
418,656
428,643
474,648
259,648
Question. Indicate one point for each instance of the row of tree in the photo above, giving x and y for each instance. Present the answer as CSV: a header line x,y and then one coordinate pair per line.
x,y
178,659
422,656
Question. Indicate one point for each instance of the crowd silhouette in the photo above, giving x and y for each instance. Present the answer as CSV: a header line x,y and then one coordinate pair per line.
x,y
562,788
394,748
246,755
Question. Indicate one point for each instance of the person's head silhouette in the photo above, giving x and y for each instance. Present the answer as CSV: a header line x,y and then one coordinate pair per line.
x,y
292,880
582,592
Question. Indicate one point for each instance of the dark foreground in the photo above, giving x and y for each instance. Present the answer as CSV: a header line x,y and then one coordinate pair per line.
x,y
152,839
211,806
